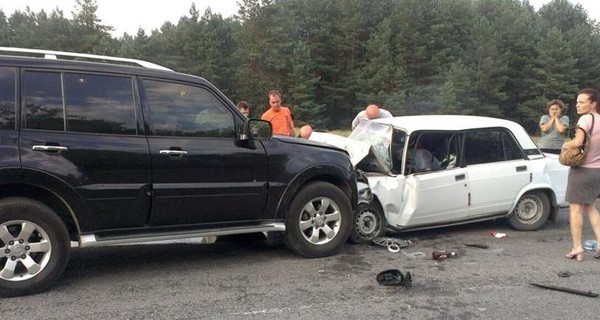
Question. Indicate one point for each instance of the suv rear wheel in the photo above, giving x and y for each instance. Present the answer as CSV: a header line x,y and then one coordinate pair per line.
x,y
34,246
319,220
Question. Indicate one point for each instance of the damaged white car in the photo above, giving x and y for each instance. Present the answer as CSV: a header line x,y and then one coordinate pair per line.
x,y
438,170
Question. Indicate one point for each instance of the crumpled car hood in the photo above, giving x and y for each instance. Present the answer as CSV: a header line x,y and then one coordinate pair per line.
x,y
361,153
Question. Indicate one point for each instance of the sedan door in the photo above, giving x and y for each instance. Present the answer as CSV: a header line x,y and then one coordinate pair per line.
x,y
436,197
440,196
201,173
497,169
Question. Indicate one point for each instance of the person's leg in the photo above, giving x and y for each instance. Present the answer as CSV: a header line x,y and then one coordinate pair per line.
x,y
594,217
576,224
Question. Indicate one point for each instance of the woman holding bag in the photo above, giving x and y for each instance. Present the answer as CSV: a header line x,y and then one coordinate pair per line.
x,y
583,185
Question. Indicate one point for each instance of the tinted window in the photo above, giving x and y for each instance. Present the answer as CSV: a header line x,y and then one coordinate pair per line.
x,y
42,101
490,146
100,104
93,103
7,98
182,110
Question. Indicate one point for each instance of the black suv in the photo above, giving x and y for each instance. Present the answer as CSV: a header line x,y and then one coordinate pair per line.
x,y
101,153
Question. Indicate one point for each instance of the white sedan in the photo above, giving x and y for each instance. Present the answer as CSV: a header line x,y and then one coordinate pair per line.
x,y
438,170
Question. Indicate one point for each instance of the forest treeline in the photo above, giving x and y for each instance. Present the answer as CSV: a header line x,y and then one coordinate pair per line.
x,y
330,58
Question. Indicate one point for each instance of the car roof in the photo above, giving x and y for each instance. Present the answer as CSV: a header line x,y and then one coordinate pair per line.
x,y
457,122
446,122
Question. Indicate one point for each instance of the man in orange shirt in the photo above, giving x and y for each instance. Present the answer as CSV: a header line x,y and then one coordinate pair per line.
x,y
279,116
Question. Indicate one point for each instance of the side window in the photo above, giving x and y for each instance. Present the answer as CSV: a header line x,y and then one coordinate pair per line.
x,y
99,103
42,101
431,151
7,97
93,103
490,146
512,149
182,110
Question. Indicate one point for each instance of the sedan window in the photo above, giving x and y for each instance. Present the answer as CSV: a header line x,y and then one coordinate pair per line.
x,y
490,146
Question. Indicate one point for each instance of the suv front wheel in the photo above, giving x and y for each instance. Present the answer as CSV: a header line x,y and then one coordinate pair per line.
x,y
319,220
34,246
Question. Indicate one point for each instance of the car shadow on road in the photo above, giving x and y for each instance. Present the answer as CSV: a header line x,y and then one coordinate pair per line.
x,y
106,261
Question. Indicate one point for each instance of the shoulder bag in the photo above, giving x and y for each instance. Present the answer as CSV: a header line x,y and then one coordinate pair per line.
x,y
574,157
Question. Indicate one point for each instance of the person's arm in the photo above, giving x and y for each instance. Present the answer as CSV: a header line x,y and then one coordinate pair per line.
x,y
579,134
575,142
546,123
562,125
291,125
355,122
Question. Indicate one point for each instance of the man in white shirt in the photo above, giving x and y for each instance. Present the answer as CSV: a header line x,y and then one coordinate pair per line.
x,y
371,112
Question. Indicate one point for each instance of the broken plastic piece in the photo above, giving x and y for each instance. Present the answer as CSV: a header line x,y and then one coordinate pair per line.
x,y
440,255
497,234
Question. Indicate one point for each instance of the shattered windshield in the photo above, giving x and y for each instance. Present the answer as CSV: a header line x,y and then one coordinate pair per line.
x,y
378,136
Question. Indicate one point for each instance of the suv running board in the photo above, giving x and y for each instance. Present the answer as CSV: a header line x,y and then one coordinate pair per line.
x,y
92,240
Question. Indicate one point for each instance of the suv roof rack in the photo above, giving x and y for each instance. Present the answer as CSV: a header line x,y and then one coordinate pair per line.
x,y
50,54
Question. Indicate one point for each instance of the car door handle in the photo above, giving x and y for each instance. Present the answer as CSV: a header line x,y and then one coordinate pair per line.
x,y
173,153
521,168
49,148
459,177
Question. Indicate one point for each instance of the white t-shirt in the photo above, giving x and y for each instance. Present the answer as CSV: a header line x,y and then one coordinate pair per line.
x,y
362,116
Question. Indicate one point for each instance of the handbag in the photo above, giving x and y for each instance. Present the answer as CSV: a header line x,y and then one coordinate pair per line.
x,y
574,157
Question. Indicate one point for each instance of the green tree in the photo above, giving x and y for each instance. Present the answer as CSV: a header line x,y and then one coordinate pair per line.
x,y
301,91
489,70
88,31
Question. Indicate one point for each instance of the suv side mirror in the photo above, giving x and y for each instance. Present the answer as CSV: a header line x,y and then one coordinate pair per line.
x,y
256,129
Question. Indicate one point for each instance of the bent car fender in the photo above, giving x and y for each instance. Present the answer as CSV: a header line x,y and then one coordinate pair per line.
x,y
390,192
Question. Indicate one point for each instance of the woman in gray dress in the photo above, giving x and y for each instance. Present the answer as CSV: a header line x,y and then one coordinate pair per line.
x,y
553,126
583,185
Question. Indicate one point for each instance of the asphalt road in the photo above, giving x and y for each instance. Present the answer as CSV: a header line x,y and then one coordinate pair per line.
x,y
262,280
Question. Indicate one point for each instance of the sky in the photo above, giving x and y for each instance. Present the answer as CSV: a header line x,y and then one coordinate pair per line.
x,y
130,15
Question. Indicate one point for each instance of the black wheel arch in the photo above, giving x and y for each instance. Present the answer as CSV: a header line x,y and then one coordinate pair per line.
x,y
338,176
55,194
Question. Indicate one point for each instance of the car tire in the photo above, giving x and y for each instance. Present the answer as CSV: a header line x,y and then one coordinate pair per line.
x,y
35,247
531,213
319,220
368,223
